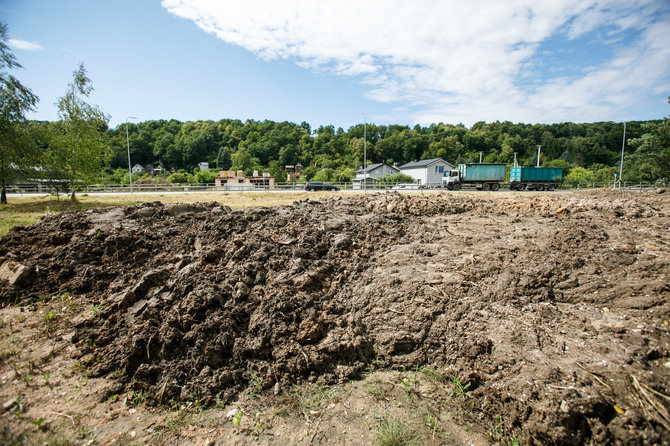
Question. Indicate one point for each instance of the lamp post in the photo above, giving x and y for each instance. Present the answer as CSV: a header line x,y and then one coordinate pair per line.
x,y
623,144
130,172
365,153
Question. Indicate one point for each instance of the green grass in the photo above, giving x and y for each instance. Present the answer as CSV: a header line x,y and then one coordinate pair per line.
x,y
392,431
25,211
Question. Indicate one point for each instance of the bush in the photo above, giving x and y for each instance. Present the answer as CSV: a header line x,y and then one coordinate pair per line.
x,y
578,175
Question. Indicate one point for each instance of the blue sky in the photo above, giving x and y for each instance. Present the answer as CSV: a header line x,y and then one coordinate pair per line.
x,y
328,62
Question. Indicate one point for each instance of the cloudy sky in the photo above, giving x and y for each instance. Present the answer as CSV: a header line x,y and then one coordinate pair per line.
x,y
328,62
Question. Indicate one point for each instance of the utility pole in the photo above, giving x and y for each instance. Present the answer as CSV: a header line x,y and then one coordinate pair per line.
x,y
480,157
130,172
623,144
365,153
538,155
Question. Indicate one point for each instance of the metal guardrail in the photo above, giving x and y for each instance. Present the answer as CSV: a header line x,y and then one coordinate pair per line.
x,y
626,185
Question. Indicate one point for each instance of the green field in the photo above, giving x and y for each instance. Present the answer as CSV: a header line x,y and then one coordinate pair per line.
x,y
28,210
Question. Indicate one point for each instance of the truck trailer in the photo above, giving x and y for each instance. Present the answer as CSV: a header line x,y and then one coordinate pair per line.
x,y
486,176
534,178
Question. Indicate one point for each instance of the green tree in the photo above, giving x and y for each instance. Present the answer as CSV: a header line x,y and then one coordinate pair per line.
x,y
79,143
651,160
223,159
277,171
578,175
18,154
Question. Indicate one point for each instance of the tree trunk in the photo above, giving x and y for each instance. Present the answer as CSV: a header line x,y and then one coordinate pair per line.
x,y
3,195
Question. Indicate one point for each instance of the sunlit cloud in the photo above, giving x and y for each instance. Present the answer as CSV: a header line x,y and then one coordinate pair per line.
x,y
24,45
455,61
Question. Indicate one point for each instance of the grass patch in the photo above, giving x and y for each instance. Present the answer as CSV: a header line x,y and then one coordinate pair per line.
x,y
391,431
24,211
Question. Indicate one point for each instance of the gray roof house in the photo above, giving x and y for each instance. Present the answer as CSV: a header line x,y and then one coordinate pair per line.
x,y
372,173
427,172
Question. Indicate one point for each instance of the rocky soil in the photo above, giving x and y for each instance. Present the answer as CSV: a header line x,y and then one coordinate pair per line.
x,y
550,309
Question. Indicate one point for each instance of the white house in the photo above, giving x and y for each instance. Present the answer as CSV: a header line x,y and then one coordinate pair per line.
x,y
373,173
427,172
137,168
203,165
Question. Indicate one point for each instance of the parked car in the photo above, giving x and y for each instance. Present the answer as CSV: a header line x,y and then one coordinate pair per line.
x,y
406,186
319,185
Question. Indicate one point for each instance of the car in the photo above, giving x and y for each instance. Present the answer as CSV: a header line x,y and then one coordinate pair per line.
x,y
319,185
406,186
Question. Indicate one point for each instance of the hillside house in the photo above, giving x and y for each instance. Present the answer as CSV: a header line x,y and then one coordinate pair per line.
x,y
235,180
372,174
427,172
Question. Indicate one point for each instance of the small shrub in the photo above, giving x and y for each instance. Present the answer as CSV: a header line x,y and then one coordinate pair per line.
x,y
393,432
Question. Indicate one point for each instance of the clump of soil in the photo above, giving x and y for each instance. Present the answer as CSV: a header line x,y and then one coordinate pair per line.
x,y
551,309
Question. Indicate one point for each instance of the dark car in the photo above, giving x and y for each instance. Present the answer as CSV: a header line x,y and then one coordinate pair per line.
x,y
320,185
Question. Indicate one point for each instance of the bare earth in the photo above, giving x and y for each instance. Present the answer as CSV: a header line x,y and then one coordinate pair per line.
x,y
447,318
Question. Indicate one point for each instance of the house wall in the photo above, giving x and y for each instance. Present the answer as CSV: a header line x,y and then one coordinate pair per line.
x,y
429,175
382,171
434,177
379,172
418,173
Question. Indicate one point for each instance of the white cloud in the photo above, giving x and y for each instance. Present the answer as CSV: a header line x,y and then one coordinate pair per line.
x,y
454,61
24,45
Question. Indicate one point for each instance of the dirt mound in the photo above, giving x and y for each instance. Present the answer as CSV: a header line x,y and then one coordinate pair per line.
x,y
551,309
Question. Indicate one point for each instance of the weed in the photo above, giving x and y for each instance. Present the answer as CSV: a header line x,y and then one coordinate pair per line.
x,y
39,423
393,432
433,376
378,390
86,434
460,389
174,422
499,434
304,399
314,396
256,385
95,308
237,417
49,320
46,376
430,421
135,399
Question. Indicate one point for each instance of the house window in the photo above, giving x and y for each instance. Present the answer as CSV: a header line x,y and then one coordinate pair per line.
x,y
439,169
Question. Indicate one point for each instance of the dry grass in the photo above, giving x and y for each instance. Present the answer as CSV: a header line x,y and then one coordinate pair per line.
x,y
28,210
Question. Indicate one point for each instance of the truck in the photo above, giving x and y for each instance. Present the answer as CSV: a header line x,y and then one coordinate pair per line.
x,y
534,178
482,176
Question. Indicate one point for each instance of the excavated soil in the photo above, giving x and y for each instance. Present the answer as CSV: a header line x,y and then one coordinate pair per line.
x,y
549,308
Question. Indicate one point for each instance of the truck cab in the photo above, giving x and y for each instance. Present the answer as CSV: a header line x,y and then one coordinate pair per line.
x,y
452,180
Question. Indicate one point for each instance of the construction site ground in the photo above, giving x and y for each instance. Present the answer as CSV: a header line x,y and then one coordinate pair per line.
x,y
437,319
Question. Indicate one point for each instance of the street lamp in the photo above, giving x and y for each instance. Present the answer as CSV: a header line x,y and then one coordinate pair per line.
x,y
623,144
130,172
365,153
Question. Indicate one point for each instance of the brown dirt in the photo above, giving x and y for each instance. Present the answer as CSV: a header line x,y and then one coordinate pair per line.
x,y
544,317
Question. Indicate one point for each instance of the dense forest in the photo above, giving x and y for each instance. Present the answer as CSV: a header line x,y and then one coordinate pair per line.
x,y
590,152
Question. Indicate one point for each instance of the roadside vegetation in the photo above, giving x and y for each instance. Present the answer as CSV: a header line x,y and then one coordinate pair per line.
x,y
25,211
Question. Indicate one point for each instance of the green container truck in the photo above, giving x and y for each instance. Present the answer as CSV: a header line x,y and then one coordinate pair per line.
x,y
485,176
534,178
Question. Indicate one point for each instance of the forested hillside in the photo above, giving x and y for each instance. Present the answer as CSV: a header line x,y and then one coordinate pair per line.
x,y
591,151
